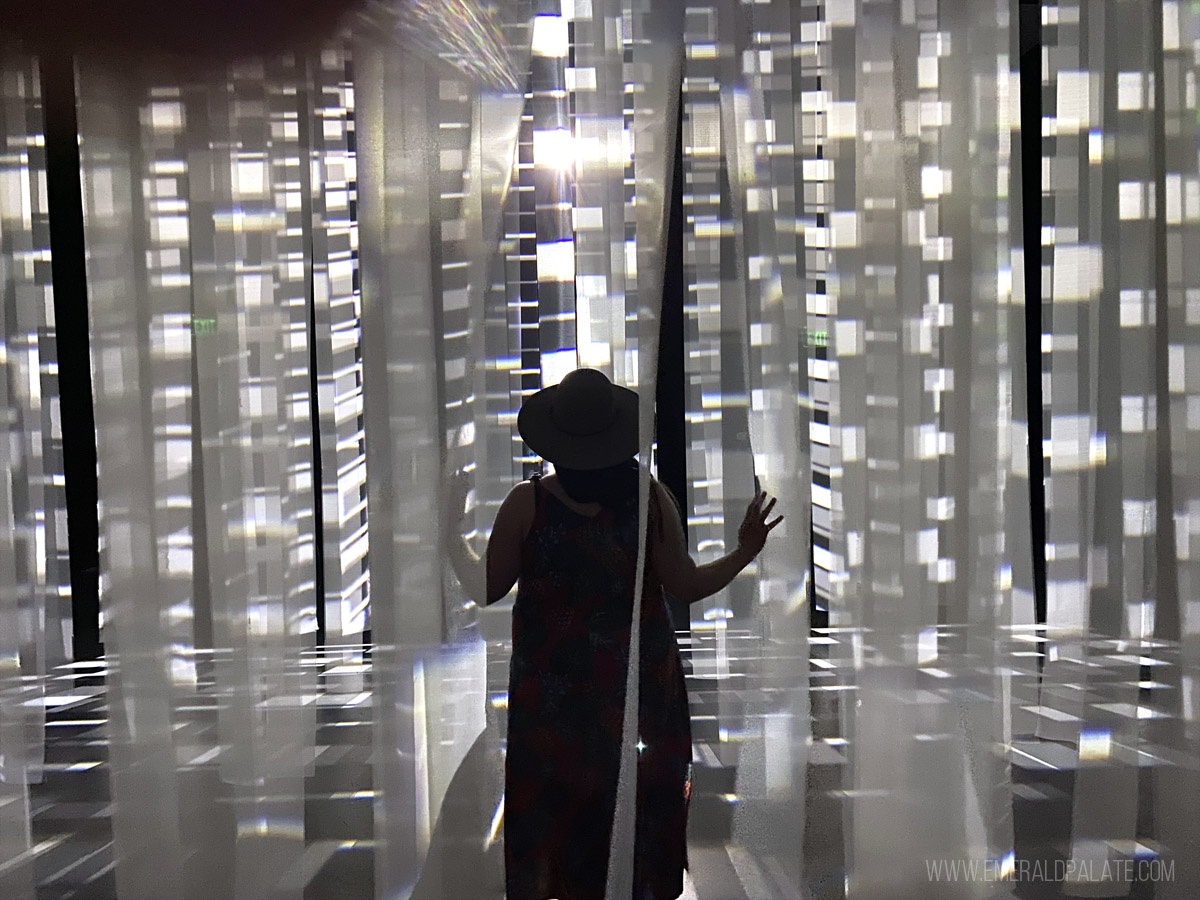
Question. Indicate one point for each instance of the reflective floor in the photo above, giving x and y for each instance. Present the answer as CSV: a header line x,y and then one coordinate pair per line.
x,y
73,841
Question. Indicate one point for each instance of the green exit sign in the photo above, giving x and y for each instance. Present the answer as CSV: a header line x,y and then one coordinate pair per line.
x,y
204,326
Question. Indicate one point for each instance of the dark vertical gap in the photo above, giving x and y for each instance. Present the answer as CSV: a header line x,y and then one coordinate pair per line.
x,y
69,275
197,116
304,107
1031,196
436,214
670,432
1166,606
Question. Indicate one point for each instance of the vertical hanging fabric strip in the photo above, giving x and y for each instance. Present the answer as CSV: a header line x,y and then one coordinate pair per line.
x,y
438,104
255,429
759,95
553,192
139,338
1177,788
329,179
199,316
602,151
654,39
914,151
29,617
975,376
1105,351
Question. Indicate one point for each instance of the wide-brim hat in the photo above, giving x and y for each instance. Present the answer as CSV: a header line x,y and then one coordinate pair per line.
x,y
585,422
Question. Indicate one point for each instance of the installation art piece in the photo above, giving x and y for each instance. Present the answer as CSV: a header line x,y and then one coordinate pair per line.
x,y
322,281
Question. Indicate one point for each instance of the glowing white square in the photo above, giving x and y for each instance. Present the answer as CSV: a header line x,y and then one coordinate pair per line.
x,y
927,646
1140,517
550,36
1130,90
596,354
839,12
556,365
841,119
940,508
1174,192
848,337
927,545
166,115
251,177
934,182
1177,368
1133,307
1133,414
1078,271
169,229
556,261
927,72
1095,745
1073,101
843,228
1130,200
554,149
588,218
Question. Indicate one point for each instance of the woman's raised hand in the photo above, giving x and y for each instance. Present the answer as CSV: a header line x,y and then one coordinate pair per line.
x,y
752,535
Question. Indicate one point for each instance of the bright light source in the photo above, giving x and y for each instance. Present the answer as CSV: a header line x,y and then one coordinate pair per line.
x,y
550,36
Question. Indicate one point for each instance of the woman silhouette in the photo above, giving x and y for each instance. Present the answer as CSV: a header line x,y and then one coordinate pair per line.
x,y
569,542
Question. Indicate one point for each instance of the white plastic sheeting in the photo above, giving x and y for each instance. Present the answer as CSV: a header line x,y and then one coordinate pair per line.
x,y
1120,375
915,175
31,632
198,297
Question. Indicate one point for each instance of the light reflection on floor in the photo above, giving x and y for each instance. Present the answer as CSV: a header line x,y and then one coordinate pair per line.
x,y
71,809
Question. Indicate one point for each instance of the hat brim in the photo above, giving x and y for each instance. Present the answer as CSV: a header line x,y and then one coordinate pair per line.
x,y
616,443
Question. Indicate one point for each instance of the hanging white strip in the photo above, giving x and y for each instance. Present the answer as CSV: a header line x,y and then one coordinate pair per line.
x,y
130,356
656,35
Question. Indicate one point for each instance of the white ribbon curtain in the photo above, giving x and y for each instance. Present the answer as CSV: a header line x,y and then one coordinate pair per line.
x,y
914,176
747,426
199,223
1122,180
436,163
32,515
853,326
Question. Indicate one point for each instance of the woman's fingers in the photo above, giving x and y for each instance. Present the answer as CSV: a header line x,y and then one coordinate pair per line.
x,y
770,506
775,522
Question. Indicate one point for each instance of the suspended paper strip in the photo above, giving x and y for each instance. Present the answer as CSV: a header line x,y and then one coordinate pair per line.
x,y
1121,158
29,601
915,159
329,179
768,738
654,39
255,428
1101,430
141,362
600,152
1177,186
436,150
199,307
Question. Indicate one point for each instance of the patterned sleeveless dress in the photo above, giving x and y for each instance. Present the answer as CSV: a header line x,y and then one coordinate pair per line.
x,y
566,700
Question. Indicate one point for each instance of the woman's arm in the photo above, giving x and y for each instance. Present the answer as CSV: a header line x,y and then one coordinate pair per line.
x,y
513,520
677,570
